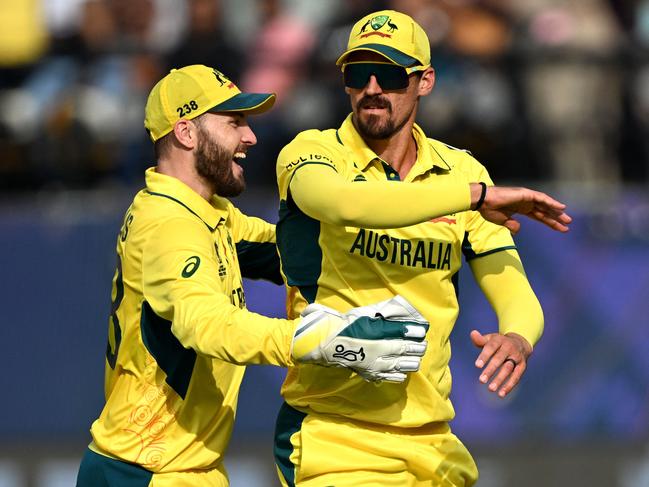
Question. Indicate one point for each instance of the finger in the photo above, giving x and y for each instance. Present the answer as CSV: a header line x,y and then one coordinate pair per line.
x,y
392,349
391,377
494,364
388,365
416,349
408,364
512,225
381,329
504,372
478,339
381,376
554,222
415,331
513,380
562,217
558,214
488,350
544,199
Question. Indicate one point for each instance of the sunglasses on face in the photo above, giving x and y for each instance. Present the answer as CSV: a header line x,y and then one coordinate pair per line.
x,y
388,76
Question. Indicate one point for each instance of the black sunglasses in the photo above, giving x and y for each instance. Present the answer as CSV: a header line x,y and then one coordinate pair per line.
x,y
388,76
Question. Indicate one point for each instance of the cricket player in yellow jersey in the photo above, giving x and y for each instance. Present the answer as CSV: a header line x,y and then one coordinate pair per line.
x,y
179,331
357,225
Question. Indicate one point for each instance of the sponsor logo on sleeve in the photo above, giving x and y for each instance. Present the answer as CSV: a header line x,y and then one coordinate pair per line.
x,y
310,158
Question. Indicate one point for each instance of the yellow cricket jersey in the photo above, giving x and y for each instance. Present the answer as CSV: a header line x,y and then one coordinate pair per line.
x,y
341,266
179,330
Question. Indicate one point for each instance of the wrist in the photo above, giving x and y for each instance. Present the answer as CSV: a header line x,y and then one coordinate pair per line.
x,y
478,194
525,344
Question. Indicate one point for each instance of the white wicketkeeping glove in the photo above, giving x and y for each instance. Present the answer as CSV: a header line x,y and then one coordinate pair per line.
x,y
383,341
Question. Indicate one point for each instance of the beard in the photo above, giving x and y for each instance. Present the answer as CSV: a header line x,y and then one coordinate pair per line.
x,y
214,165
373,127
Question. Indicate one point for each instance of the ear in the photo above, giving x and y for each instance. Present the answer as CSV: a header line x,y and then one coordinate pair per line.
x,y
186,133
426,82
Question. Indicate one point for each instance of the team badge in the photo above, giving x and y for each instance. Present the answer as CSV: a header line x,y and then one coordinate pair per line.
x,y
377,23
222,271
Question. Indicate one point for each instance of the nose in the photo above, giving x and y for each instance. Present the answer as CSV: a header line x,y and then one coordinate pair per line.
x,y
373,87
248,137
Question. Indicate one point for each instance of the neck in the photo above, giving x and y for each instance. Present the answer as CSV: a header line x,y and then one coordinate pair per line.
x,y
184,170
399,150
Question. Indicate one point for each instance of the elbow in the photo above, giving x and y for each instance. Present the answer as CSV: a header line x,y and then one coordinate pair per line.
x,y
349,210
349,216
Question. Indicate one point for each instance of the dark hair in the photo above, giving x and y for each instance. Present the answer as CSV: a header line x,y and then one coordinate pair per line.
x,y
162,146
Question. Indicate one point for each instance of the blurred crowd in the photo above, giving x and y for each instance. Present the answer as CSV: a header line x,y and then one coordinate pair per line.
x,y
538,90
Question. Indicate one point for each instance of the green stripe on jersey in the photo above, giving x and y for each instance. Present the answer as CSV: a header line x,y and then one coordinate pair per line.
x,y
289,422
469,253
297,236
259,260
99,471
175,360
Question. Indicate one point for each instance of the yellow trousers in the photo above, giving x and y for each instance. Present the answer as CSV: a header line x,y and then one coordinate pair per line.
x,y
324,451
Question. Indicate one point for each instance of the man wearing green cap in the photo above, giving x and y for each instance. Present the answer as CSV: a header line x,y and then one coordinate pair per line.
x,y
179,331
365,201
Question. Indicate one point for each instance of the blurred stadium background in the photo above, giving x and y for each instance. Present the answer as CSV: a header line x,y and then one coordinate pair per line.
x,y
546,93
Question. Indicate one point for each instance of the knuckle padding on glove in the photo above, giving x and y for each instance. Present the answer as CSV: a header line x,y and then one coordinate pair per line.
x,y
366,328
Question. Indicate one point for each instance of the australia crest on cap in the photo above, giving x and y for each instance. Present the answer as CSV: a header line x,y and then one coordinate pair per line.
x,y
377,23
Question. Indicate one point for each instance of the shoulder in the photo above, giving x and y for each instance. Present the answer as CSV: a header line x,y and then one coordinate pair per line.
x,y
320,146
457,159
161,213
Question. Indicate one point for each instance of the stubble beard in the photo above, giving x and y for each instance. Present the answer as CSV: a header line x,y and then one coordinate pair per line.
x,y
214,165
373,127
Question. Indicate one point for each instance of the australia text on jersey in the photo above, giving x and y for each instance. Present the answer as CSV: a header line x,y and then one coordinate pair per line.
x,y
428,254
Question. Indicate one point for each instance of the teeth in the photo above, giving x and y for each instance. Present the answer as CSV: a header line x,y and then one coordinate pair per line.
x,y
239,155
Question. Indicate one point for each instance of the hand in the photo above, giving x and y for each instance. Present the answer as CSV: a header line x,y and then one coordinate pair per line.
x,y
506,354
373,346
502,202
396,308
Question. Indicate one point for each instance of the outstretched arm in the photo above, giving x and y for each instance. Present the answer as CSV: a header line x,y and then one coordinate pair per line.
x,y
320,192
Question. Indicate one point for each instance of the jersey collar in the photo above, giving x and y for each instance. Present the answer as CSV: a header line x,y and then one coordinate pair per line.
x,y
427,157
211,212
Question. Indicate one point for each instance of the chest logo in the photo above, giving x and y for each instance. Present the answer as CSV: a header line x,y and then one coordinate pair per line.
x,y
222,270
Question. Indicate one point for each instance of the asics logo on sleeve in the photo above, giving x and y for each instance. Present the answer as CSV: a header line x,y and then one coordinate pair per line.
x,y
349,355
192,266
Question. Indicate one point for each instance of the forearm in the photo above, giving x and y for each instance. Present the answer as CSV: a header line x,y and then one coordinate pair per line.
x,y
322,194
502,279
219,329
186,283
